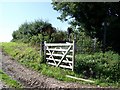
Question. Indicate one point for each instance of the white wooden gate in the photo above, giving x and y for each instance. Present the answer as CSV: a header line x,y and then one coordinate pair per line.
x,y
60,54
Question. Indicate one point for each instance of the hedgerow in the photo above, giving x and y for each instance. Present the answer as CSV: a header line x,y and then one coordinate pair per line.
x,y
101,66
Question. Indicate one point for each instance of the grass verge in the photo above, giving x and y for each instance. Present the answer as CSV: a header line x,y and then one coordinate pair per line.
x,y
9,81
29,57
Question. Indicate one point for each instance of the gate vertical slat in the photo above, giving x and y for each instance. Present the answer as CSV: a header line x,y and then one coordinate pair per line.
x,y
73,59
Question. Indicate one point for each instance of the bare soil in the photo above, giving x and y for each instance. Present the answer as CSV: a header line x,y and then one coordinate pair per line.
x,y
3,85
32,79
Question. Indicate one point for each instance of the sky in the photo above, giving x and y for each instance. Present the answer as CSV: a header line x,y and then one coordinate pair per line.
x,y
13,14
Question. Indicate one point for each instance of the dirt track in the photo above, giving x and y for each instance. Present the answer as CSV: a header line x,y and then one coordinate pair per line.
x,y
33,79
2,85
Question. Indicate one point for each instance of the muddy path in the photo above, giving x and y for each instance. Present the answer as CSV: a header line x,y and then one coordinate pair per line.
x,y
32,79
3,85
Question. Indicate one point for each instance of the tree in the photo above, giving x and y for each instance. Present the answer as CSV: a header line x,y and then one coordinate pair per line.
x,y
48,29
31,31
91,17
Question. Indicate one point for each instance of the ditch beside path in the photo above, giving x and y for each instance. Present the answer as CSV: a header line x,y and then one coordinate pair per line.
x,y
32,79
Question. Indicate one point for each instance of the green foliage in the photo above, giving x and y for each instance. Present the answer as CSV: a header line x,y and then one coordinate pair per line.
x,y
91,17
8,81
101,66
32,32
59,36
0,44
85,43
35,40
23,53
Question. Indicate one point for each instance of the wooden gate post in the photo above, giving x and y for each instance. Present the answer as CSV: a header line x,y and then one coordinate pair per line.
x,y
45,51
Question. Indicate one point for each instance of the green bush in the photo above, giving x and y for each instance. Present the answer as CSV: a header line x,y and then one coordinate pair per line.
x,y
23,53
101,66
86,44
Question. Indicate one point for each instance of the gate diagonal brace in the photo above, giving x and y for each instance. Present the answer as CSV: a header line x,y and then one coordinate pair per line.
x,y
64,55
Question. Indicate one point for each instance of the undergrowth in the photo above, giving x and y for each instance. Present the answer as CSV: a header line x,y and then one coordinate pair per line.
x,y
84,64
9,81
